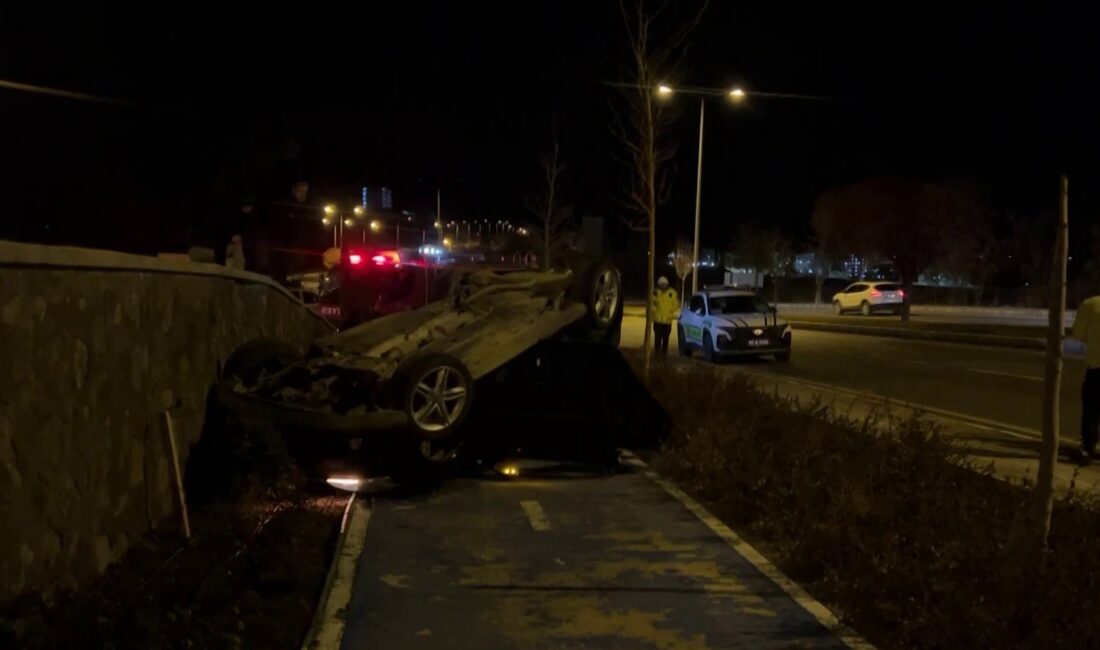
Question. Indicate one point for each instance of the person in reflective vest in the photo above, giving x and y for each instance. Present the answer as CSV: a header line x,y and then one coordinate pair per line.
x,y
666,307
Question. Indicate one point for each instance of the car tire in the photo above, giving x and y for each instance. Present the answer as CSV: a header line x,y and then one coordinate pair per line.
x,y
681,342
259,357
865,308
837,309
708,348
602,293
436,392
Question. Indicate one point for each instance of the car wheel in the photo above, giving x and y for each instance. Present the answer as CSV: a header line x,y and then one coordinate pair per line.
x,y
681,342
603,294
837,309
257,358
865,308
708,348
436,392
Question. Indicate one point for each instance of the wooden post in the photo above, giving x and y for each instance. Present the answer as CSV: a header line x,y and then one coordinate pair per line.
x,y
1048,451
177,474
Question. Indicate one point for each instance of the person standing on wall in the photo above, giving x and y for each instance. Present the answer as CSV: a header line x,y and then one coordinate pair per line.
x,y
1086,328
666,306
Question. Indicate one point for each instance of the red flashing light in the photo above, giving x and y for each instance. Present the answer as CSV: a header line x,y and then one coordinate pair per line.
x,y
386,258
355,259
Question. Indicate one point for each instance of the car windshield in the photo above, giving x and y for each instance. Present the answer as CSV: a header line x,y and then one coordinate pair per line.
x,y
738,305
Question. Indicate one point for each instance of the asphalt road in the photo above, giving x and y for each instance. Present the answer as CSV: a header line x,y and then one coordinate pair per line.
x,y
998,384
611,562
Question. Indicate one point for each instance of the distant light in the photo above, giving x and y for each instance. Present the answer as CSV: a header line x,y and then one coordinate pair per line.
x,y
349,483
664,90
326,221
358,210
438,225
349,222
509,470
355,259
376,225
330,209
447,241
737,94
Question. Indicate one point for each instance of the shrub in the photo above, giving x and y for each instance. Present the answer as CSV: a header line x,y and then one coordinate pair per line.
x,y
909,541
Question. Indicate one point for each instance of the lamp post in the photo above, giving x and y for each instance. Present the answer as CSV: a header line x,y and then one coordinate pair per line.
x,y
734,95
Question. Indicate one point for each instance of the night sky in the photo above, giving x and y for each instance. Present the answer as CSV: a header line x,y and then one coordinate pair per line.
x,y
229,106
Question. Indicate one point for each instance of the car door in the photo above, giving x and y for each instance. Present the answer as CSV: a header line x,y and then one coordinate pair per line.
x,y
692,319
854,295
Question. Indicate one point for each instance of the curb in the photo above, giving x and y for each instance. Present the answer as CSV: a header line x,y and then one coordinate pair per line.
x,y
937,336
326,630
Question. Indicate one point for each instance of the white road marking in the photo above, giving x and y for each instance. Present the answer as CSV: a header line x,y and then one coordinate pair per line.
x,y
329,625
1006,374
534,513
829,620
972,420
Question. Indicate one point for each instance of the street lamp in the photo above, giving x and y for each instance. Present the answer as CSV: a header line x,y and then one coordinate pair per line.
x,y
375,225
358,210
735,94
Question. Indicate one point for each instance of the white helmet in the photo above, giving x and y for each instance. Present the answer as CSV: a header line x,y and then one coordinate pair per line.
x,y
662,282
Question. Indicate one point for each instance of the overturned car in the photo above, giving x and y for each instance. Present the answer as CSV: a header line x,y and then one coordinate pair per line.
x,y
410,389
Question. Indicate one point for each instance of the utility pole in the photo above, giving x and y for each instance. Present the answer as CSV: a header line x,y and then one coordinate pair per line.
x,y
1048,450
698,199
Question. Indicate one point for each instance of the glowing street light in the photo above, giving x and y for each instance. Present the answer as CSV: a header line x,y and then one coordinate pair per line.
x,y
358,210
735,94
326,221
375,225
447,242
330,209
349,222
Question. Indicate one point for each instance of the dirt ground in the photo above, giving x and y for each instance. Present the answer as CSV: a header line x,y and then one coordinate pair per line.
x,y
249,578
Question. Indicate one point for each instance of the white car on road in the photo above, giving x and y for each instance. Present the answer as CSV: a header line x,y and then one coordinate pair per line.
x,y
870,297
732,322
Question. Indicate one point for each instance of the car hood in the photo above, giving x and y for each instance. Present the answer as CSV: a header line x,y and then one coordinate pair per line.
x,y
747,320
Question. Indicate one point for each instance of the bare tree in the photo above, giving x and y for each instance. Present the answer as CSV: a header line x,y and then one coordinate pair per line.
x,y
767,251
897,219
778,249
683,262
1048,450
553,216
641,127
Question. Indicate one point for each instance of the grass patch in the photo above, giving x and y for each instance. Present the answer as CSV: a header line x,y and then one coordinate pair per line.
x,y
907,540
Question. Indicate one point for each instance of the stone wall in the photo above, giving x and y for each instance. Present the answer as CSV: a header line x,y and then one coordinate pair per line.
x,y
94,347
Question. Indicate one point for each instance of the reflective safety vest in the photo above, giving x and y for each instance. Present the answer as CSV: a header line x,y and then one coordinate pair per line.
x,y
666,306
